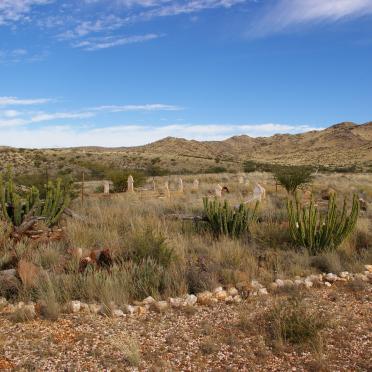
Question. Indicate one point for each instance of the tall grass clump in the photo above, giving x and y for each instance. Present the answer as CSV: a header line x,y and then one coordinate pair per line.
x,y
292,321
319,233
225,220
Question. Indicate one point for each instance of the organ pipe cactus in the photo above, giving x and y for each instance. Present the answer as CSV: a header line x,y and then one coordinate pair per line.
x,y
225,220
319,232
16,208
56,200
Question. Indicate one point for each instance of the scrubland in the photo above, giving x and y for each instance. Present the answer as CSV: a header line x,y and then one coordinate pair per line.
x,y
157,253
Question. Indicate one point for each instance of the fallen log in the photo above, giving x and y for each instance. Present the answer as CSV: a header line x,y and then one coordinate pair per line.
x,y
27,224
70,213
186,217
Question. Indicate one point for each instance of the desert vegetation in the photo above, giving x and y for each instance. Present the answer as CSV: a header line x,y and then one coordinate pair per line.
x,y
119,248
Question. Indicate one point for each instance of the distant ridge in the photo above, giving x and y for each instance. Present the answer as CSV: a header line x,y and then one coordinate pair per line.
x,y
342,145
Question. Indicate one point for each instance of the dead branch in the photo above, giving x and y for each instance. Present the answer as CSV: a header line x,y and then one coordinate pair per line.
x,y
185,217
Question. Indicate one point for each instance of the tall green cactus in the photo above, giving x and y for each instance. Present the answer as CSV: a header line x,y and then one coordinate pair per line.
x,y
15,208
225,220
56,200
317,232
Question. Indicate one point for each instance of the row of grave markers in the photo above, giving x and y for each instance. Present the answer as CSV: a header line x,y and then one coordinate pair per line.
x,y
259,192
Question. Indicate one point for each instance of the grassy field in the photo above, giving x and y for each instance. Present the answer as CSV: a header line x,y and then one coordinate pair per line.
x,y
157,255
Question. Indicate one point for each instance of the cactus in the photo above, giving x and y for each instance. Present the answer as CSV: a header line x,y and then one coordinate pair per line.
x,y
15,208
56,200
224,220
319,233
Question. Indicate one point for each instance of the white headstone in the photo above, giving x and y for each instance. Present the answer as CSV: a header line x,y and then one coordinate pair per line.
x,y
195,185
106,187
259,192
241,179
130,184
180,185
166,188
218,191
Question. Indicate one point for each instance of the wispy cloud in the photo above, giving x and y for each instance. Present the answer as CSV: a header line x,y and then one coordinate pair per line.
x,y
132,135
20,55
287,13
112,41
11,118
14,101
17,10
147,107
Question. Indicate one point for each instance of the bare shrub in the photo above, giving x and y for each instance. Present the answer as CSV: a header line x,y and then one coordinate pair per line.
x,y
292,320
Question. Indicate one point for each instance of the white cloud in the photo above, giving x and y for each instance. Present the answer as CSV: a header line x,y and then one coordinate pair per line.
x,y
286,13
185,7
14,101
110,41
146,107
132,135
11,118
83,28
16,10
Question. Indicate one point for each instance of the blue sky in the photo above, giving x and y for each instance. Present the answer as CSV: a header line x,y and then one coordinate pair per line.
x,y
128,72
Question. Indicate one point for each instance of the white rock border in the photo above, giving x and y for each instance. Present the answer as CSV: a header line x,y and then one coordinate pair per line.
x,y
228,295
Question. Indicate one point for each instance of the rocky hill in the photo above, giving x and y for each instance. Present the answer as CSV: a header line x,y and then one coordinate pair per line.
x,y
342,145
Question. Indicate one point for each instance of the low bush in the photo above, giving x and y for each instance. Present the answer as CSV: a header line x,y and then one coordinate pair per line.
x,y
293,321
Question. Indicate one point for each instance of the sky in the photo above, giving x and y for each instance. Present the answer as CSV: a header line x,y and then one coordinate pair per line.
x,y
129,72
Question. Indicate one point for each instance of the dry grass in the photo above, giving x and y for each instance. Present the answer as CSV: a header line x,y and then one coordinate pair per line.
x,y
163,257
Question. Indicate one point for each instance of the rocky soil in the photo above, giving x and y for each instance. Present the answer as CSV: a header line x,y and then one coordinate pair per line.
x,y
216,337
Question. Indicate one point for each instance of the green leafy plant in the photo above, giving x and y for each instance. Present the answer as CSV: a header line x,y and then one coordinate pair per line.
x,y
317,232
225,220
292,177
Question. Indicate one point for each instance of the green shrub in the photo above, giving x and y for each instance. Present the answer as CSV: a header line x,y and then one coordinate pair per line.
x,y
225,220
216,169
120,179
317,232
149,244
292,177
249,166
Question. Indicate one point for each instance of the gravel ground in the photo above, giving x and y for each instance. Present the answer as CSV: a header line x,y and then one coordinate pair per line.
x,y
196,339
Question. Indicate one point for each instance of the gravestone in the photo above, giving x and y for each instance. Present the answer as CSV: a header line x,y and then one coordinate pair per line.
x,y
180,185
195,185
218,191
106,187
241,179
130,184
153,185
259,192
166,189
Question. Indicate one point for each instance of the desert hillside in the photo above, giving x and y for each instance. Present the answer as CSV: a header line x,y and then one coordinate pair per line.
x,y
342,145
